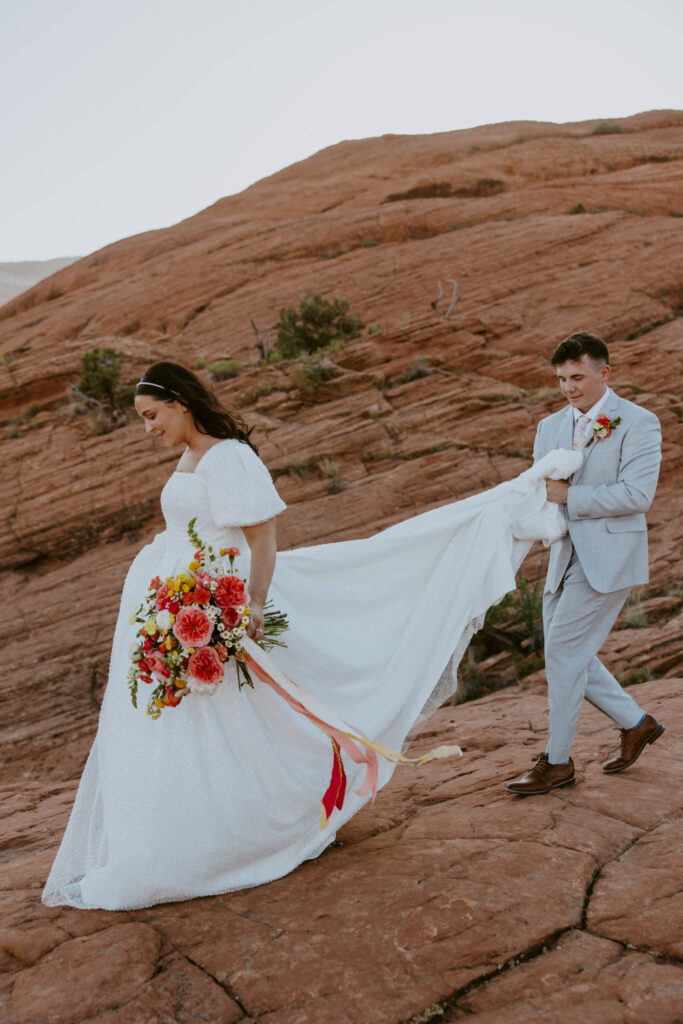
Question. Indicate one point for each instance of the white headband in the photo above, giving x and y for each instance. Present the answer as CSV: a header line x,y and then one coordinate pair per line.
x,y
151,384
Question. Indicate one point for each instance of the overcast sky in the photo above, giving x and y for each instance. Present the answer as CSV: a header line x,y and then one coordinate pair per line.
x,y
118,116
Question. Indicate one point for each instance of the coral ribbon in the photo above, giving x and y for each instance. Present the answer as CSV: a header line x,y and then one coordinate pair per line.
x,y
360,749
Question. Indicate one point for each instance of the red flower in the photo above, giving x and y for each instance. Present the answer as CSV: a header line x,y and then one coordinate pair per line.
x,y
231,616
222,651
163,596
155,583
205,666
188,598
230,592
147,643
202,595
174,607
171,700
193,627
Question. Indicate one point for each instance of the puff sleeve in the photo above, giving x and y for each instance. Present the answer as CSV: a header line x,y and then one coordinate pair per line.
x,y
241,492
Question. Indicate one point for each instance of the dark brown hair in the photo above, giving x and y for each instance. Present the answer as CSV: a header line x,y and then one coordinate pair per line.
x,y
171,382
582,343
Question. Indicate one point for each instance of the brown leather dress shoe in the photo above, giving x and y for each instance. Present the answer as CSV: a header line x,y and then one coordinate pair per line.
x,y
543,777
633,743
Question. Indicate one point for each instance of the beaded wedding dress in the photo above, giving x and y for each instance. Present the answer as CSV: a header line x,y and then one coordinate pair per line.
x,y
224,791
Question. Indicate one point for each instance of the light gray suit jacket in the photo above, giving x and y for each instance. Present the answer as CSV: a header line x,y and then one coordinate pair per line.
x,y
608,496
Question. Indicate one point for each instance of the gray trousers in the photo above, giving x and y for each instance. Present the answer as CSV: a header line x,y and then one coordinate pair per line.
x,y
576,622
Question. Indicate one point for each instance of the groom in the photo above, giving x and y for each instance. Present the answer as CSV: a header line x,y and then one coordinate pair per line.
x,y
602,556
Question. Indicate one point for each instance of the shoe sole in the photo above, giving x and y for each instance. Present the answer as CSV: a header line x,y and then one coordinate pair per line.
x,y
540,792
655,736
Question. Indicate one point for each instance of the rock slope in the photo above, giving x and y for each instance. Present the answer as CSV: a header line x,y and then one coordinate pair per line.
x,y
546,229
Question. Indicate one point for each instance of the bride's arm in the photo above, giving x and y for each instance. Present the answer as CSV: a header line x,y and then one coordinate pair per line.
x,y
263,546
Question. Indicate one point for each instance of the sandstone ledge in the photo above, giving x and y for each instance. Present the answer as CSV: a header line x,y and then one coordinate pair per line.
x,y
449,900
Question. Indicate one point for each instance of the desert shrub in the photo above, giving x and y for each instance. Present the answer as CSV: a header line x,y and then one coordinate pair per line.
x,y
418,368
515,625
101,375
316,324
99,393
224,369
313,374
386,451
578,208
299,468
633,678
607,128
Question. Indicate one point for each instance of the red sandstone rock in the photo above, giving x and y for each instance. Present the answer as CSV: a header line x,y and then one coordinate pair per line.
x,y
449,894
447,877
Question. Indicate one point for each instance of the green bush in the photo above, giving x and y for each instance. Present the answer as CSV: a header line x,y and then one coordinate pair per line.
x,y
224,369
607,128
313,373
315,325
99,392
579,208
101,375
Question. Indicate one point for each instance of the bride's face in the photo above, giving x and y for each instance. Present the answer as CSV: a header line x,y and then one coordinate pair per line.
x,y
166,422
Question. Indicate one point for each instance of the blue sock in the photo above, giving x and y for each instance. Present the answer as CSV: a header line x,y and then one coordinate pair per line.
x,y
640,722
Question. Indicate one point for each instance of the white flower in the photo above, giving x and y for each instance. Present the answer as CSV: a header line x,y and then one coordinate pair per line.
x,y
133,650
164,619
204,689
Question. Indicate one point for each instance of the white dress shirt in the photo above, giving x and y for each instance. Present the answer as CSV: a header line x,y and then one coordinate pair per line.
x,y
593,412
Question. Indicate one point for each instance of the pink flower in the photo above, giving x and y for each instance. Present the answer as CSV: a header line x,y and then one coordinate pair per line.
x,y
205,666
155,663
230,592
193,627
203,579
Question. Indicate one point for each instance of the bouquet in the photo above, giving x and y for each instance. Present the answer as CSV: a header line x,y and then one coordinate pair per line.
x,y
191,624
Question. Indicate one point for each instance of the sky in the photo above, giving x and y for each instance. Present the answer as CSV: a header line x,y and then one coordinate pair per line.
x,y
119,116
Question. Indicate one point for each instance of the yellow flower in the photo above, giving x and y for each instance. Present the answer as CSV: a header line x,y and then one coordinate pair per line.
x,y
132,618
186,589
191,650
150,626
180,684
194,565
158,702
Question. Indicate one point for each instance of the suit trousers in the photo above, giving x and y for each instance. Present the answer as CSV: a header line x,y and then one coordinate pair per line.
x,y
576,622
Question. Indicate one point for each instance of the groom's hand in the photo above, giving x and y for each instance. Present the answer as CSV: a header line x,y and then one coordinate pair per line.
x,y
556,491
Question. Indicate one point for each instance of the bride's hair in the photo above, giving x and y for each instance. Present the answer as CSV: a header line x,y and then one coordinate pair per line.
x,y
171,382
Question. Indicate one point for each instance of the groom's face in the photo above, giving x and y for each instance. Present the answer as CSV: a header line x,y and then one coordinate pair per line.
x,y
582,382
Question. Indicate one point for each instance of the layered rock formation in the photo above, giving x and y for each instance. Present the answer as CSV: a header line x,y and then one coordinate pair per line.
x,y
546,229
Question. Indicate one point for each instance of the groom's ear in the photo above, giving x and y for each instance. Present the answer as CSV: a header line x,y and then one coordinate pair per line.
x,y
605,372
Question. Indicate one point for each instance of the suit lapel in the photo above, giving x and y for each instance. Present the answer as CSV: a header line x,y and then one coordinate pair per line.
x,y
566,431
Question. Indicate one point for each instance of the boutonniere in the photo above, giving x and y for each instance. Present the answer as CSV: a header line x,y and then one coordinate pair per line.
x,y
602,428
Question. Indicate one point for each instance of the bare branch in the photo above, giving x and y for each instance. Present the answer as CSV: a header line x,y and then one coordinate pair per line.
x,y
263,341
454,296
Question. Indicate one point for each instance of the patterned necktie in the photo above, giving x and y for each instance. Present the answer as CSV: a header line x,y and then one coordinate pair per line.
x,y
581,432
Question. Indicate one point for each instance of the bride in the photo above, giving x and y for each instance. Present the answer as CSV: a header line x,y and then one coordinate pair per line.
x,y
223,793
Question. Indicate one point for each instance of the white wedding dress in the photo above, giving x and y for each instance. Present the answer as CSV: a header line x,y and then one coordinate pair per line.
x,y
224,792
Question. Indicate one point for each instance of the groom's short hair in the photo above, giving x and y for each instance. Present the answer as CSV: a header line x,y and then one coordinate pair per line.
x,y
582,343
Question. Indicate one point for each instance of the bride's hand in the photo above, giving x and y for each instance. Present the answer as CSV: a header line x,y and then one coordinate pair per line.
x,y
255,624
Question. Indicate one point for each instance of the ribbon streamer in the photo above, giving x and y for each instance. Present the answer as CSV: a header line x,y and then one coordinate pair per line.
x,y
360,749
